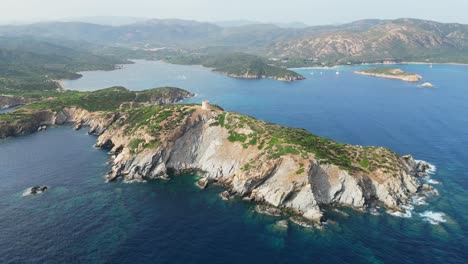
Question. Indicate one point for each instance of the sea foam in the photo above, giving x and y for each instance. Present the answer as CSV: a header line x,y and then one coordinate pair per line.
x,y
432,168
433,217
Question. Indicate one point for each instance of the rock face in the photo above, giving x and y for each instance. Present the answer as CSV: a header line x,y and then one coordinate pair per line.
x,y
39,120
240,153
11,101
302,184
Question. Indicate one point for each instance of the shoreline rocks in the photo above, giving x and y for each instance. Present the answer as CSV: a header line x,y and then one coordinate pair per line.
x,y
202,183
267,210
226,196
303,222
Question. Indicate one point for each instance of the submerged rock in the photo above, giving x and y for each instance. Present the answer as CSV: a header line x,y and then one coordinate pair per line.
x,y
426,85
268,210
282,225
303,222
35,190
374,211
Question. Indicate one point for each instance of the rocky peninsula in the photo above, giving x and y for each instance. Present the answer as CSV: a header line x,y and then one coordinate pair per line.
x,y
391,73
7,101
284,168
288,76
238,65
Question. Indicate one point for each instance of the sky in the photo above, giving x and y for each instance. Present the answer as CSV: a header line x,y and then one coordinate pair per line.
x,y
311,12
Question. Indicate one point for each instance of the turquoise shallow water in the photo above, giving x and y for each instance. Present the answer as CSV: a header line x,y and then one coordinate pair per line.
x,y
83,219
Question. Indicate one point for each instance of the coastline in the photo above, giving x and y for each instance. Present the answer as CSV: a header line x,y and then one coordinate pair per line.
x,y
377,63
407,78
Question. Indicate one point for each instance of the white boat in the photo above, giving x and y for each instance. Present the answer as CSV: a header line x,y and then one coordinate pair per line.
x,y
337,73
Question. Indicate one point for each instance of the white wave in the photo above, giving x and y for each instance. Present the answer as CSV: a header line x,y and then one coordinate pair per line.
x,y
133,181
408,211
27,192
418,200
432,168
433,217
408,207
432,181
406,214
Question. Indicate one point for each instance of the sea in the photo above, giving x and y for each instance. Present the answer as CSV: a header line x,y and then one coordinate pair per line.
x,y
83,219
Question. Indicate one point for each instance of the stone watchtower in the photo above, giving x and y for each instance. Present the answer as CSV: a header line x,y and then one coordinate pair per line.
x,y
206,105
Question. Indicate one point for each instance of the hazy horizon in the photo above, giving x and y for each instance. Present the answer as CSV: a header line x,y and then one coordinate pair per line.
x,y
263,11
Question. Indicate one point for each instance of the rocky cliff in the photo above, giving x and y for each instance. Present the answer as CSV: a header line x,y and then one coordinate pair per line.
x,y
11,101
279,167
255,160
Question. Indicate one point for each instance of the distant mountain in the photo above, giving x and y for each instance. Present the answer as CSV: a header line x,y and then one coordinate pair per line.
x,y
107,20
361,41
235,23
292,25
375,40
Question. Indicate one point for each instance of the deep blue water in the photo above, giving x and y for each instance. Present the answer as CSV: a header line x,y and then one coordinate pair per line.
x,y
83,219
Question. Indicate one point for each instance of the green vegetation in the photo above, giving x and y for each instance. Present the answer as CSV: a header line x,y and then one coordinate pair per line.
x,y
154,95
109,99
300,171
364,162
135,143
277,141
387,71
30,65
236,64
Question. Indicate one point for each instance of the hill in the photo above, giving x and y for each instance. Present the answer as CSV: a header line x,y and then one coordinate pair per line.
x,y
377,41
30,64
238,65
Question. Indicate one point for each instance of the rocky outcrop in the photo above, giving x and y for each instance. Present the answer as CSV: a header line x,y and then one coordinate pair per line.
x,y
298,183
154,142
286,78
12,101
397,74
35,190
34,121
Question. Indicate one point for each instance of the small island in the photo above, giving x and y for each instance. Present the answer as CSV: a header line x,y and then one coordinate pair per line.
x,y
391,73
238,65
